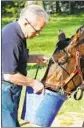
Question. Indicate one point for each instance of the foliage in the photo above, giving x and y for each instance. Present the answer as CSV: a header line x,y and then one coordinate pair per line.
x,y
33,2
11,8
69,7
6,20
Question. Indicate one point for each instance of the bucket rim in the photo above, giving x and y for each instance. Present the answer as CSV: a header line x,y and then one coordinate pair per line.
x,y
61,96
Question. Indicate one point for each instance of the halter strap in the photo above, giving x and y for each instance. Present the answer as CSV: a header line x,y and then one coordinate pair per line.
x,y
80,42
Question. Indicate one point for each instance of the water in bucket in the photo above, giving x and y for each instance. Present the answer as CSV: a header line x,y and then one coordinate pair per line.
x,y
41,109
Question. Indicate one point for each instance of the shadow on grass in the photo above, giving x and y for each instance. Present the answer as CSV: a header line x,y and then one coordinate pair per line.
x,y
33,67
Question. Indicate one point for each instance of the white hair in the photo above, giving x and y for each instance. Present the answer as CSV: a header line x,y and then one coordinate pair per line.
x,y
33,12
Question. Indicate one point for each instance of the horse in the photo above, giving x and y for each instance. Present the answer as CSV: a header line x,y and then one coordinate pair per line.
x,y
66,66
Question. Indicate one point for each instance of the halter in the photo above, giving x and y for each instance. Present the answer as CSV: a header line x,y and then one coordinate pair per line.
x,y
77,70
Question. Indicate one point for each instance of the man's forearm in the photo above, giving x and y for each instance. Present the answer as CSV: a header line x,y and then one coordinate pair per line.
x,y
18,79
39,59
32,59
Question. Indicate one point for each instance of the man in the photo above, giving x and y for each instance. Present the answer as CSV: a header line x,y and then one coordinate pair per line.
x,y
15,57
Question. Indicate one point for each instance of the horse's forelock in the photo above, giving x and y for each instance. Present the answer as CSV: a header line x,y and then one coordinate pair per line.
x,y
80,29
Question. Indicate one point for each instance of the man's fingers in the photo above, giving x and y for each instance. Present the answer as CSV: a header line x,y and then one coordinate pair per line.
x,y
38,87
45,59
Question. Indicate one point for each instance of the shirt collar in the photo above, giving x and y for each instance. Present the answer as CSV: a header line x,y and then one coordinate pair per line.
x,y
19,31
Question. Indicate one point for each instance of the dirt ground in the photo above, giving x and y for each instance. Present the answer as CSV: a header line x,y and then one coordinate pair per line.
x,y
69,119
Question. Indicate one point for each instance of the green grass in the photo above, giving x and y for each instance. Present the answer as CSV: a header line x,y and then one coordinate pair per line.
x,y
45,44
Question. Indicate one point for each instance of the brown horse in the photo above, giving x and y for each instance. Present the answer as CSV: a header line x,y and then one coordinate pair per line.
x,y
66,66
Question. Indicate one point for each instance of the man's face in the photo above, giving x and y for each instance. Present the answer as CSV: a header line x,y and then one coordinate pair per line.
x,y
33,28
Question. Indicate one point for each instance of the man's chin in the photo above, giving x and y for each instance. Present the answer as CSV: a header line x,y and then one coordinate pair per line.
x,y
31,37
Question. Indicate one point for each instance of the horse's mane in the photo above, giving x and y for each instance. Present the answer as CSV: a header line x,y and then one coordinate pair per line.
x,y
80,29
63,44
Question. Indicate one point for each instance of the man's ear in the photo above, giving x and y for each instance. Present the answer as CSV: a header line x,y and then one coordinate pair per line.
x,y
41,18
25,24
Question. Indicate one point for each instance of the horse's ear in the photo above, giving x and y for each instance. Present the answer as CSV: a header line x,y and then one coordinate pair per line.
x,y
73,43
61,35
81,29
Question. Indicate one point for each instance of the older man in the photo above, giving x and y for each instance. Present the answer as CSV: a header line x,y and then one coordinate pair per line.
x,y
15,57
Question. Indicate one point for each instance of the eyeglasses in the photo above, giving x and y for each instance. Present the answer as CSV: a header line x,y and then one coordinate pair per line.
x,y
37,31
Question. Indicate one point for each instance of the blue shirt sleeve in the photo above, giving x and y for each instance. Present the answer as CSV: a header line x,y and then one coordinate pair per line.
x,y
10,57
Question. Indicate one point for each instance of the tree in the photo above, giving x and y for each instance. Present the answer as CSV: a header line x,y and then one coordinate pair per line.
x,y
11,8
71,6
58,9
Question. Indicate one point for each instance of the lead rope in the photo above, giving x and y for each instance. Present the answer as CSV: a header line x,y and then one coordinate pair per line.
x,y
37,72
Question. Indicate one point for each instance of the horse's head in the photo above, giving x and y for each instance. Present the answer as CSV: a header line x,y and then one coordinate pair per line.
x,y
53,75
62,67
77,41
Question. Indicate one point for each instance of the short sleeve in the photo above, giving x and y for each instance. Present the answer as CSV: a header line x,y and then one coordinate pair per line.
x,y
10,57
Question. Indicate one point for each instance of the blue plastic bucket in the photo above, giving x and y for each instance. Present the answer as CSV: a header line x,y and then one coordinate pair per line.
x,y
41,109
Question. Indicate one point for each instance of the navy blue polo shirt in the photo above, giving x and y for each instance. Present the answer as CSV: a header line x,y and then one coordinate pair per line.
x,y
14,51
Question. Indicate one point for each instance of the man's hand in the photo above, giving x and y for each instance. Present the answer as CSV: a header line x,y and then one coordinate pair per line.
x,y
40,59
37,86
